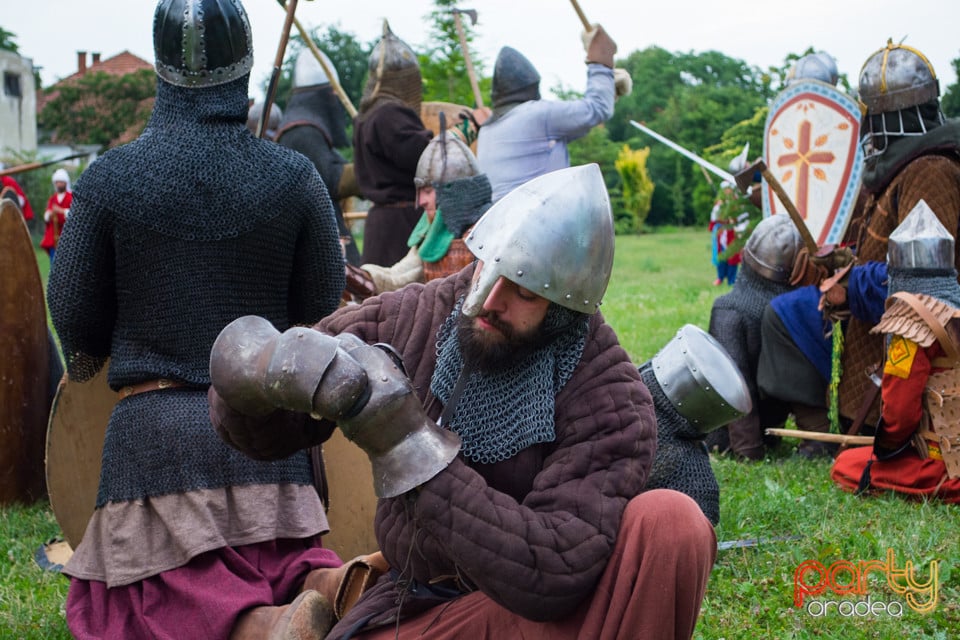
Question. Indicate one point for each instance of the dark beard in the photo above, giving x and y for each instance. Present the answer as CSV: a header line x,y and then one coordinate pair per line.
x,y
61,189
490,353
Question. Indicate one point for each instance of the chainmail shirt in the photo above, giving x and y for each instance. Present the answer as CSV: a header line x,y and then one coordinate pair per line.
x,y
681,462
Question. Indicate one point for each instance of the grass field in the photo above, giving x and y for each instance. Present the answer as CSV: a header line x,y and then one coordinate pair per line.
x,y
661,282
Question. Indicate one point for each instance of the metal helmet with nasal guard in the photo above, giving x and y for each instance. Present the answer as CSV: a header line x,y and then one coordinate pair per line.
x,y
552,235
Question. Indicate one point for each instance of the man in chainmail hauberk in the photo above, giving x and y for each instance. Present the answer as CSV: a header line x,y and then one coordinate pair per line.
x,y
696,389
172,237
768,262
911,153
315,124
916,450
388,140
527,136
523,513
453,195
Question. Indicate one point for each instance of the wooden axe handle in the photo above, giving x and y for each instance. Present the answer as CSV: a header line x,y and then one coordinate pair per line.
x,y
840,438
583,18
798,222
477,96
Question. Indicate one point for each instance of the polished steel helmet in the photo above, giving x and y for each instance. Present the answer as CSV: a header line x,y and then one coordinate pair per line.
x,y
552,235
446,158
307,71
920,242
701,380
894,82
201,43
815,66
772,248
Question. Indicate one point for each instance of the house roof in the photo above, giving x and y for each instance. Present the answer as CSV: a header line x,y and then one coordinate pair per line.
x,y
119,65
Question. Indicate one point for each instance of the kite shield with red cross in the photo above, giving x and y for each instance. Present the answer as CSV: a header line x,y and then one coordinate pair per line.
x,y
811,145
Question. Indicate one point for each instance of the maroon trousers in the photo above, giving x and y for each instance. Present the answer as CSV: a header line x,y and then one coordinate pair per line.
x,y
651,589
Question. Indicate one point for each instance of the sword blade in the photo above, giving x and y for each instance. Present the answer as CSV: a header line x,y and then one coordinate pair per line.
x,y
709,166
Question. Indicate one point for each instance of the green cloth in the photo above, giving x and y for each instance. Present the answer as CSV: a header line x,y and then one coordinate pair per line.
x,y
433,238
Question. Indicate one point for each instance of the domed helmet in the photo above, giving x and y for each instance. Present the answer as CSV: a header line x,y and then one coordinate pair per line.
x,y
772,248
307,71
898,93
814,66
446,158
514,79
201,43
253,118
393,70
552,235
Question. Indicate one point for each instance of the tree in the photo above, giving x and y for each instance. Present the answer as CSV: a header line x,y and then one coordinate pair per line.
x,y
636,189
443,66
99,108
6,41
348,55
950,102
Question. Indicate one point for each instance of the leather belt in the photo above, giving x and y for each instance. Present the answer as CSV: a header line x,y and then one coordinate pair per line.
x,y
149,385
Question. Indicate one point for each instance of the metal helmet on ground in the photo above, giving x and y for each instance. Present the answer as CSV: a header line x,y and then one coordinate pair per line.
x,y
898,93
552,235
514,79
920,242
815,66
701,380
772,248
307,70
446,158
393,70
202,43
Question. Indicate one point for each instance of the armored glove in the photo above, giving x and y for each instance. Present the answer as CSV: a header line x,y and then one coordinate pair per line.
x,y
256,370
406,448
599,46
622,82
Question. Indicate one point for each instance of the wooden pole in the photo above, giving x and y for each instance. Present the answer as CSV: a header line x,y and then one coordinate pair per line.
x,y
840,438
277,66
477,96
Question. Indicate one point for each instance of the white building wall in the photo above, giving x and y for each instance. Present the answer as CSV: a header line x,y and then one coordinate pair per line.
x,y
18,105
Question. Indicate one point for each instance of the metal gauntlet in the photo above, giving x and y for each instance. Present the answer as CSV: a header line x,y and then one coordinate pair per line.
x,y
406,448
256,369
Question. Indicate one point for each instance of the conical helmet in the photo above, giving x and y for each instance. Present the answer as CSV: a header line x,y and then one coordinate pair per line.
x,y
920,242
446,158
772,248
552,235
202,43
307,71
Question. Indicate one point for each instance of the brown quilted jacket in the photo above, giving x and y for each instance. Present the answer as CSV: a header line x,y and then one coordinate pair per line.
x,y
533,532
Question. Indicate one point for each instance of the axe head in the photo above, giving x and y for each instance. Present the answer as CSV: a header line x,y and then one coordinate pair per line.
x,y
471,13
745,177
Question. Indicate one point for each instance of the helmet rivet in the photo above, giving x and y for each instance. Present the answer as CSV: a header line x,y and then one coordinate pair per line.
x,y
520,273
497,259
567,297
546,285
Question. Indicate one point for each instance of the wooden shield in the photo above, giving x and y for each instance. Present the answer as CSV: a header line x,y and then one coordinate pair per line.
x,y
811,144
75,434
351,497
24,362
430,115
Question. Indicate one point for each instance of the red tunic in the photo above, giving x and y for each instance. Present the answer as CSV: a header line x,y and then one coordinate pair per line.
x,y
55,224
25,207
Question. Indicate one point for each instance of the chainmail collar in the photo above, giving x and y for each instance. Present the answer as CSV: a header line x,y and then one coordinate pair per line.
x,y
937,283
944,139
501,414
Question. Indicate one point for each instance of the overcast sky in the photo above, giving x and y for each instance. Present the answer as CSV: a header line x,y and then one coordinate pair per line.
x,y
546,31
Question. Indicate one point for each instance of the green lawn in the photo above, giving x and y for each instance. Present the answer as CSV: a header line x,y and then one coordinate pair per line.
x,y
661,282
